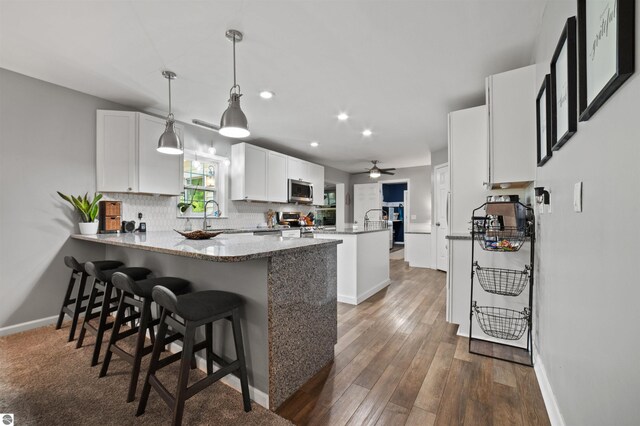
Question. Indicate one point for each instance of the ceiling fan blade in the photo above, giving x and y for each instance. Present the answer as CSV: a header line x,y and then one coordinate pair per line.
x,y
360,173
386,173
387,170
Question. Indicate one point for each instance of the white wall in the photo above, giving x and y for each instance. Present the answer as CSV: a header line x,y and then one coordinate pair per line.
x,y
419,188
588,286
338,176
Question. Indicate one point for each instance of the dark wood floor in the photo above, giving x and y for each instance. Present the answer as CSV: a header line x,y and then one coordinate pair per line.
x,y
399,362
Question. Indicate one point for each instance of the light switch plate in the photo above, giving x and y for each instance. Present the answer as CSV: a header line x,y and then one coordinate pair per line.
x,y
577,197
414,217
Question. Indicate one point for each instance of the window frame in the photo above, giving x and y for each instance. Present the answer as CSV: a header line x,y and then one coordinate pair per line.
x,y
221,184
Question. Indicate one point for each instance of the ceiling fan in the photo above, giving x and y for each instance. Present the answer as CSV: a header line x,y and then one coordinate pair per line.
x,y
375,171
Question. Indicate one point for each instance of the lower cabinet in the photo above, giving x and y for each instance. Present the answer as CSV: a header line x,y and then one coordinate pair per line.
x,y
417,250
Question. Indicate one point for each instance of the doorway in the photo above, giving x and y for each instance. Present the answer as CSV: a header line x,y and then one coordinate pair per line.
x,y
393,205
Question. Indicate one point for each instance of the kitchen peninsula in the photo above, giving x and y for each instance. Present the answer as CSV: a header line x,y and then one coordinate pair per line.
x,y
289,286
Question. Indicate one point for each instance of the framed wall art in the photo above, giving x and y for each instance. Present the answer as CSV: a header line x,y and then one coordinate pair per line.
x,y
543,118
606,36
564,119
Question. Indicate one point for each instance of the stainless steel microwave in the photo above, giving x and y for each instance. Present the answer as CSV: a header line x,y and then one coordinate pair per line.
x,y
300,192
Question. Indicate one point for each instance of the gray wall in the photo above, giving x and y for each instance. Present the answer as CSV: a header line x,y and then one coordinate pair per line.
x,y
47,143
419,189
587,287
440,156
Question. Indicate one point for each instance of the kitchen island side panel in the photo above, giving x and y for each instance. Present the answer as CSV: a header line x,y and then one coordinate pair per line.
x,y
248,279
303,319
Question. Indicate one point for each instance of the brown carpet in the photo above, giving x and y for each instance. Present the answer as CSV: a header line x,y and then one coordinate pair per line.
x,y
45,380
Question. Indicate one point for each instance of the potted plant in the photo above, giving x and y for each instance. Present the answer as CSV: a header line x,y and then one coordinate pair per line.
x,y
88,210
184,207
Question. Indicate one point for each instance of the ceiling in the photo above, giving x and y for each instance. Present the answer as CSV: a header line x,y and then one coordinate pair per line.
x,y
396,67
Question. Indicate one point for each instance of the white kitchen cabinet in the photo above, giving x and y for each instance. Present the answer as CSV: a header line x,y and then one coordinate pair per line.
x,y
417,249
298,169
316,177
126,155
511,150
277,177
249,166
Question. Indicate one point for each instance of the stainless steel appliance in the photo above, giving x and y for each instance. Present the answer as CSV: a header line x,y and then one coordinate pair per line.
x,y
300,192
289,218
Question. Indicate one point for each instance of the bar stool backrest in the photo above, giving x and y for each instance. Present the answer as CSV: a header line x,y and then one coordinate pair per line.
x,y
95,272
165,298
124,282
72,263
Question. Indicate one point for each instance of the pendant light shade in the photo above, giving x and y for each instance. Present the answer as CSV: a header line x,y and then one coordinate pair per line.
x,y
233,122
169,142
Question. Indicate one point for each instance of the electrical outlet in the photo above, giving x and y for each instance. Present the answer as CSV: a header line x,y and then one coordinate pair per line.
x,y
577,197
414,217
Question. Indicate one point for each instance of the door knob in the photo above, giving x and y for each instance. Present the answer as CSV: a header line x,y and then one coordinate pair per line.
x,y
437,223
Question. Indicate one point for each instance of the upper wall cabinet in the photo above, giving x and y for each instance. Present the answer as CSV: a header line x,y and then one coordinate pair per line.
x,y
511,99
277,177
249,168
298,169
126,156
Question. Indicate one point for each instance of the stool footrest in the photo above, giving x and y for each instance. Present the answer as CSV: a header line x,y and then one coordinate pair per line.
x,y
162,391
203,383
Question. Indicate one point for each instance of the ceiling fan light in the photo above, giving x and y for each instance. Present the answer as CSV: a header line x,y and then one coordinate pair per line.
x,y
233,123
169,142
374,173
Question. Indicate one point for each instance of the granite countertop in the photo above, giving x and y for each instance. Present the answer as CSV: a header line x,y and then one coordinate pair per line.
x,y
348,230
241,230
223,248
459,236
417,232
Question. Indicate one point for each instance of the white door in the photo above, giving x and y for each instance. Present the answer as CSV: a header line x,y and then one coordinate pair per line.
x,y
442,210
366,196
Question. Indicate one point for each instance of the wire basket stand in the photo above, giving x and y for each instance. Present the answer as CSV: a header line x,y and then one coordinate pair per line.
x,y
499,322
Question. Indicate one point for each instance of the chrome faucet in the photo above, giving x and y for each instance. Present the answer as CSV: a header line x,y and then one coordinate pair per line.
x,y
205,226
366,215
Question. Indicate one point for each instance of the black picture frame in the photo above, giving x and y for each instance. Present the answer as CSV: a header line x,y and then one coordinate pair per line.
x,y
564,80
543,122
624,11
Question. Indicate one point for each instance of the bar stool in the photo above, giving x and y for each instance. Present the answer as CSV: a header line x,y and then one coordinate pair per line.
x,y
74,307
129,290
102,283
196,309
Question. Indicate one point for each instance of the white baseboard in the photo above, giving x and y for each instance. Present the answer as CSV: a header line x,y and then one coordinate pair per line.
x,y
553,411
29,325
257,396
364,296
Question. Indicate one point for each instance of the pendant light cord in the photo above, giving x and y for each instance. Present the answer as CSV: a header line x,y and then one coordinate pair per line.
x,y
235,85
170,113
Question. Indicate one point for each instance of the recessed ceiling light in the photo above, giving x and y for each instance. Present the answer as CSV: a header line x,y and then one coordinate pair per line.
x,y
314,144
266,94
367,132
343,116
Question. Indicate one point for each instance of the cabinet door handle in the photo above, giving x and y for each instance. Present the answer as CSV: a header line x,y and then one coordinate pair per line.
x,y
437,223
129,189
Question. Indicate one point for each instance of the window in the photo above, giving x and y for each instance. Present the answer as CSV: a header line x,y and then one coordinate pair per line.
x,y
204,180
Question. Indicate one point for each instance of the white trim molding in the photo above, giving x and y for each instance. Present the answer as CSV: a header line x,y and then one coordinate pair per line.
x,y
29,325
553,410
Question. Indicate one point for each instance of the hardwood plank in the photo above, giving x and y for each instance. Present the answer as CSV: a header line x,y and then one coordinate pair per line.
x,y
462,350
506,406
393,415
503,373
352,335
477,413
420,417
452,409
531,402
375,369
428,397
374,403
340,413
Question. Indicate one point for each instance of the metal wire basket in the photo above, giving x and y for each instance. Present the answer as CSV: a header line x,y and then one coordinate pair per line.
x,y
502,323
506,282
500,238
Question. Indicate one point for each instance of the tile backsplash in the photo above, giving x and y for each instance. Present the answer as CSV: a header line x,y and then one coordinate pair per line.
x,y
160,212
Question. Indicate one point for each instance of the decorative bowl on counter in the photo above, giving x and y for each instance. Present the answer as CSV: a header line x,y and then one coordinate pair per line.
x,y
198,235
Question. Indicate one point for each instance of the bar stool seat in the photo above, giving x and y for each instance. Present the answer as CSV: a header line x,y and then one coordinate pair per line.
x,y
205,304
129,290
184,314
102,282
74,306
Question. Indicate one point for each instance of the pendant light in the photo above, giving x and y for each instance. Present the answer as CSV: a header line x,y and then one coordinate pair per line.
x,y
374,173
233,123
169,142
